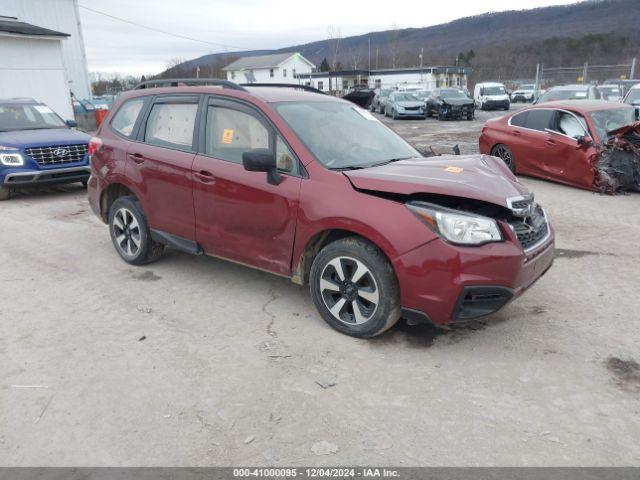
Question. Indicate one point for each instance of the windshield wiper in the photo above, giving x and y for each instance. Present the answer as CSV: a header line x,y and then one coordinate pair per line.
x,y
369,165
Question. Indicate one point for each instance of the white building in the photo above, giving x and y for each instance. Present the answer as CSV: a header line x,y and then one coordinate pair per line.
x,y
60,16
427,77
32,65
276,68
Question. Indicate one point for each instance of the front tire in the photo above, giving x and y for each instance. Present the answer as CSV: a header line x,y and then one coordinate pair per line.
x,y
354,288
503,152
5,194
130,233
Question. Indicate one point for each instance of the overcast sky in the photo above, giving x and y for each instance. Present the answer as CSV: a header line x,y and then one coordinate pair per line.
x,y
115,46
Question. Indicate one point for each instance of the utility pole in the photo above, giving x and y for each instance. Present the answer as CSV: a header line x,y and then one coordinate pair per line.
x,y
376,58
632,74
369,40
537,88
585,72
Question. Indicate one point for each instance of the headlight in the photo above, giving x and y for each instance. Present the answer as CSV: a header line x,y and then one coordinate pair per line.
x,y
11,159
455,226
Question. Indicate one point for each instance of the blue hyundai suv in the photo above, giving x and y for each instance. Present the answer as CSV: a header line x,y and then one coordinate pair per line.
x,y
37,147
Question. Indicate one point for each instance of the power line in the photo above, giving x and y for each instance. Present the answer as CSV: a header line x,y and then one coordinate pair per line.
x,y
177,35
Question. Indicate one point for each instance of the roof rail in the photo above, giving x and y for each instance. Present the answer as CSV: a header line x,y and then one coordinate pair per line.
x,y
306,88
177,82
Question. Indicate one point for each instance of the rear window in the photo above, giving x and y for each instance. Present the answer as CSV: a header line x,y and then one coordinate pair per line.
x,y
171,125
125,119
539,119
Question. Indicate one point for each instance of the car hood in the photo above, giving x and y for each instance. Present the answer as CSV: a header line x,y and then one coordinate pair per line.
x,y
480,177
41,138
411,103
457,101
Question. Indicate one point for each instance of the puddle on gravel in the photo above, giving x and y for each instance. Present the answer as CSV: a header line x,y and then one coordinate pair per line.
x,y
147,276
625,372
566,253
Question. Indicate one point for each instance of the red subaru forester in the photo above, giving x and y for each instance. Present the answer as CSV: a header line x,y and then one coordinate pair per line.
x,y
314,188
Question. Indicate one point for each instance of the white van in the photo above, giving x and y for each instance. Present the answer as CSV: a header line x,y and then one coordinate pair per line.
x,y
491,95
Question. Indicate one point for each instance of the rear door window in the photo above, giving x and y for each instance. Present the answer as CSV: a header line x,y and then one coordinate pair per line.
x,y
539,119
125,118
171,123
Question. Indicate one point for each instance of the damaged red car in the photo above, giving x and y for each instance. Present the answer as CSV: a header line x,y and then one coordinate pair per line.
x,y
570,142
316,189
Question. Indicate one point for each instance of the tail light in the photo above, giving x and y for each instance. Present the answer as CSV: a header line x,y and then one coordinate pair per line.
x,y
94,145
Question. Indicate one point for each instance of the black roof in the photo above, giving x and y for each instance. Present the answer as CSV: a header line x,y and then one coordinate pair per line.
x,y
10,25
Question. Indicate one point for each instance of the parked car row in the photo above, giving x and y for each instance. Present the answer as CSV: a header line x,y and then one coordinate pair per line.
x,y
442,103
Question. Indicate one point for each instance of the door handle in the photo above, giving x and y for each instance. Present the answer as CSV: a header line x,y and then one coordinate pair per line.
x,y
516,133
550,143
137,158
205,176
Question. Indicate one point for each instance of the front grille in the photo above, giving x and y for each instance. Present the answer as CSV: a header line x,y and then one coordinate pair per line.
x,y
412,108
57,154
531,230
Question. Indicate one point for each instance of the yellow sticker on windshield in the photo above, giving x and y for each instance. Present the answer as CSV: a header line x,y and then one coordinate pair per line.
x,y
454,169
227,135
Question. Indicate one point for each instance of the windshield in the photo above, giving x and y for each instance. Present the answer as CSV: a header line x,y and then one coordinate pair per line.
x,y
422,94
611,119
343,136
493,91
527,87
28,117
452,93
405,97
633,98
564,95
385,93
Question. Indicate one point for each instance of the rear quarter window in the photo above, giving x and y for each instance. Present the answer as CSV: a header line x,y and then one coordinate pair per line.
x,y
519,119
125,118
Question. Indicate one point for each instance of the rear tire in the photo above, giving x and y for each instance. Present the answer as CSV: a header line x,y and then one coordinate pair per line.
x,y
5,194
130,233
354,288
503,152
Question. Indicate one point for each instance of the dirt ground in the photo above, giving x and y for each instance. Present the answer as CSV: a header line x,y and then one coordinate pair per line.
x,y
195,361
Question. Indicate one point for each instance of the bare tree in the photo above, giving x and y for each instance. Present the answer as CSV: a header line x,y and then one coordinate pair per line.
x,y
334,36
355,57
174,62
393,44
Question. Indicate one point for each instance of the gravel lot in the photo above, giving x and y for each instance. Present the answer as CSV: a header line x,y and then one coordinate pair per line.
x,y
195,361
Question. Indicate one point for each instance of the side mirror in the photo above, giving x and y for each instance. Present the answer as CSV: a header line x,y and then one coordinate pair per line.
x,y
583,141
71,123
262,160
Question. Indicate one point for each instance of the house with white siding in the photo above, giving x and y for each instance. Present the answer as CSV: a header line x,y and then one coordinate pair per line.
x,y
275,68
32,65
60,16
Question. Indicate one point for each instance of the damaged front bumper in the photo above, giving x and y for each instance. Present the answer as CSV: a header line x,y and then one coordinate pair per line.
x,y
617,164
